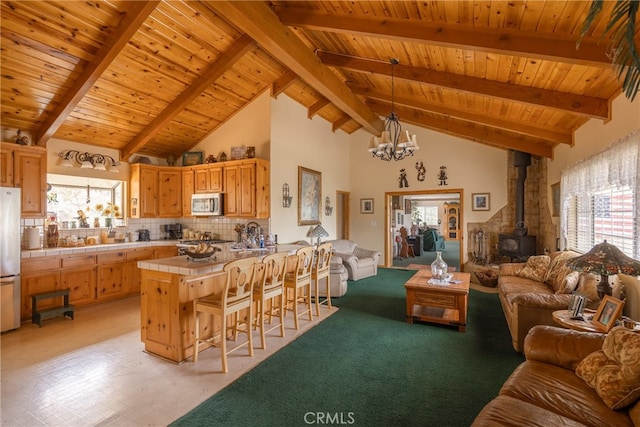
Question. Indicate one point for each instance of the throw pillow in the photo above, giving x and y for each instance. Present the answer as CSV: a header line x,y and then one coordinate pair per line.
x,y
558,273
588,286
614,371
535,268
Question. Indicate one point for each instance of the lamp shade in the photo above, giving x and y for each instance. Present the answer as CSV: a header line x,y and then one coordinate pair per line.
x,y
317,231
605,259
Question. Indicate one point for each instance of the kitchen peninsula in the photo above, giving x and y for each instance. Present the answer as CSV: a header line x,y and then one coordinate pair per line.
x,y
169,287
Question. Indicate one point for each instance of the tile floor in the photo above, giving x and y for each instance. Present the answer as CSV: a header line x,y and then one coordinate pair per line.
x,y
92,371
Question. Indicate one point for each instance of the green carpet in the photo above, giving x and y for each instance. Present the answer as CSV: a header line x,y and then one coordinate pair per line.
x,y
366,366
451,255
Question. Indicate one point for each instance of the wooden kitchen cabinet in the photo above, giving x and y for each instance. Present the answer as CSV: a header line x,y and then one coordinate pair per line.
x,y
170,185
90,278
187,190
143,191
131,272
111,267
78,274
247,188
165,251
81,282
39,275
155,191
208,178
25,167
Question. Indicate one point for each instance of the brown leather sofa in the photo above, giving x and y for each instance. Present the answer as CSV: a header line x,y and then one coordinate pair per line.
x,y
545,391
527,302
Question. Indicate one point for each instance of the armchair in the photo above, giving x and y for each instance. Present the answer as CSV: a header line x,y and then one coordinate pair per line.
x,y
432,240
359,262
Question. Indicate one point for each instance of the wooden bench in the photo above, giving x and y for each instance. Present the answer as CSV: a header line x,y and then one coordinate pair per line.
x,y
38,316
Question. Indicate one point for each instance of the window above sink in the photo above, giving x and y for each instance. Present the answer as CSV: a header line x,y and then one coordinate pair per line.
x,y
70,197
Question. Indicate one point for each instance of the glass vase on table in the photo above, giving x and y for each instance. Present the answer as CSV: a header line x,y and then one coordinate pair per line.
x,y
439,268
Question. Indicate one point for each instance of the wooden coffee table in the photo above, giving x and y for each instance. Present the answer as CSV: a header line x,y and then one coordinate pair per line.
x,y
445,304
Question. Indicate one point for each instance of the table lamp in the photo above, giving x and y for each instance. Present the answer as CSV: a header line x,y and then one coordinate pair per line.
x,y
318,232
606,260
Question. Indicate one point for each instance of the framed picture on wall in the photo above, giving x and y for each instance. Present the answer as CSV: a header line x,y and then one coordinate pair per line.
x,y
309,192
480,202
407,206
366,206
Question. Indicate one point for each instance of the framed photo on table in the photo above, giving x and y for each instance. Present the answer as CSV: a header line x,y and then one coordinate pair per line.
x,y
366,206
309,192
480,202
608,312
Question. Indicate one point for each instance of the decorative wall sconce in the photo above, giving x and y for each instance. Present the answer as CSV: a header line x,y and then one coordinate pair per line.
x,y
88,161
286,198
328,209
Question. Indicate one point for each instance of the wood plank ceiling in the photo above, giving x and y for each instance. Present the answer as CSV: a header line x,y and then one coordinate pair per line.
x,y
155,78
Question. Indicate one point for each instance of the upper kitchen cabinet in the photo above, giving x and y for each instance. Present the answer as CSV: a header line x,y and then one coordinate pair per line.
x,y
155,191
208,178
247,188
187,190
25,167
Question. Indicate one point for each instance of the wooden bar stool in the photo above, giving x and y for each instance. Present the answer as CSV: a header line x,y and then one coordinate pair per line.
x,y
298,284
236,296
268,293
319,271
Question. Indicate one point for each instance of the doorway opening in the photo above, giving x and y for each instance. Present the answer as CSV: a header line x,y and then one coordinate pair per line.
x,y
423,214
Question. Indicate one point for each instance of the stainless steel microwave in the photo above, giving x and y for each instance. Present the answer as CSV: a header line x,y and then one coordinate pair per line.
x,y
207,204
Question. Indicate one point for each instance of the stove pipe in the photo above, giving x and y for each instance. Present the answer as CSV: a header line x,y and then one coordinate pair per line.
x,y
521,161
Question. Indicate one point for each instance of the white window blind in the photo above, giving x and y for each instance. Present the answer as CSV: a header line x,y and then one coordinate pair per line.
x,y
601,199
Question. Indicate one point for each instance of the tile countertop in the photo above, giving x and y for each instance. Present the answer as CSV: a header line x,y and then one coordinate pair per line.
x,y
183,266
87,249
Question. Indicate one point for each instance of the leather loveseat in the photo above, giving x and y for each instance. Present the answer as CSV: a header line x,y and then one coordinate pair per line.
x,y
530,292
359,262
552,387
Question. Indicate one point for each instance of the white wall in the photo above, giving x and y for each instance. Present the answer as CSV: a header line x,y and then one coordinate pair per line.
x,y
250,126
472,167
299,141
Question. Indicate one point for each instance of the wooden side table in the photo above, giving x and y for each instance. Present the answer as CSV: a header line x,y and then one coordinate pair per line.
x,y
445,304
563,318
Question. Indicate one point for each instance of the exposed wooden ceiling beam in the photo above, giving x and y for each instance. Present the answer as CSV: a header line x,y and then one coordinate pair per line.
x,y
136,13
473,132
280,85
504,41
343,120
206,79
486,119
317,106
575,104
258,21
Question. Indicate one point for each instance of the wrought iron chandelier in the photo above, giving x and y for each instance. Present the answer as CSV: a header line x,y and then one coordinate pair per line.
x,y
394,143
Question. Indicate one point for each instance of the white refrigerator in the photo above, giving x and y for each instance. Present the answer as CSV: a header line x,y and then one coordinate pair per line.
x,y
9,258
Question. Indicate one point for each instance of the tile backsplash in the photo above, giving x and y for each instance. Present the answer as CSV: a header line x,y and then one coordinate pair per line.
x,y
220,228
